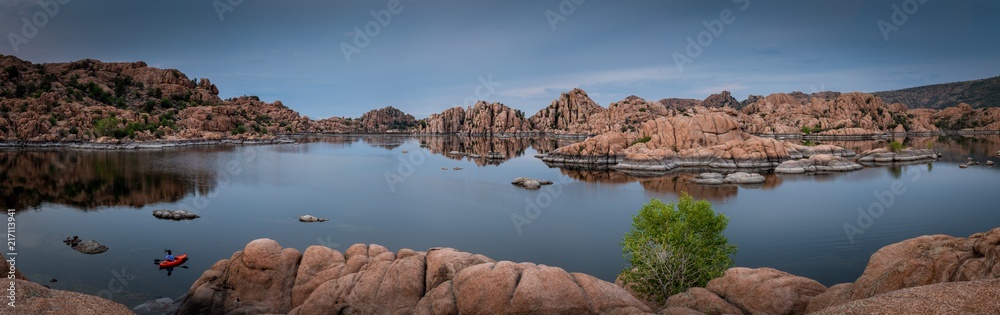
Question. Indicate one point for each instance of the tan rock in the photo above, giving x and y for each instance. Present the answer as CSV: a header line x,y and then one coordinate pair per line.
x,y
765,290
963,297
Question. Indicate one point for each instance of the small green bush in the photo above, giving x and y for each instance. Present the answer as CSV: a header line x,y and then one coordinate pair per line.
x,y
895,146
641,140
673,247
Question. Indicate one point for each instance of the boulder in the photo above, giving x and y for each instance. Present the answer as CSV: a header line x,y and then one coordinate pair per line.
x,y
90,247
929,259
256,280
175,215
311,218
765,290
707,179
701,301
369,279
886,156
817,163
35,299
530,183
963,297
744,178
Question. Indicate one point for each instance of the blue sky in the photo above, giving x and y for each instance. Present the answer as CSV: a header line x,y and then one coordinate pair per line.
x,y
432,55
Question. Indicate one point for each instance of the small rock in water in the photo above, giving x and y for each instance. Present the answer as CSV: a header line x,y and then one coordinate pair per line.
x,y
444,168
530,183
457,168
989,162
53,280
90,247
310,218
963,166
405,152
175,215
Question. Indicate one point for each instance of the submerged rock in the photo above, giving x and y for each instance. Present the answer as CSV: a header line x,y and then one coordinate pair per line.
x,y
175,215
310,218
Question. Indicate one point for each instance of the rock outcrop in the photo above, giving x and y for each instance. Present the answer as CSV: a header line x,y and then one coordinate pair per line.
x,y
573,113
530,183
481,119
369,279
385,120
710,140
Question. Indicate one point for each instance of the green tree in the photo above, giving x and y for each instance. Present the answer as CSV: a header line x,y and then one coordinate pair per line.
x,y
673,247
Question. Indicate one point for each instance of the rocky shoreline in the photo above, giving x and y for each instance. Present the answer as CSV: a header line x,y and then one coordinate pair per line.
x,y
135,145
926,274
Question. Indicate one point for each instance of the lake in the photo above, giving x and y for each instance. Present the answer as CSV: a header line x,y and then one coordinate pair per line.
x,y
372,192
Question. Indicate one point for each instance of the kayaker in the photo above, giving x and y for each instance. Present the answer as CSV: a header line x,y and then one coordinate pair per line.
x,y
170,255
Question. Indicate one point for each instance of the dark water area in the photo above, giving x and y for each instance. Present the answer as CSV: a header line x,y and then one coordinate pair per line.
x,y
372,192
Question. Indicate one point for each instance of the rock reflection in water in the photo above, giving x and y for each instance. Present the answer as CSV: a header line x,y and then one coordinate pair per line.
x,y
89,179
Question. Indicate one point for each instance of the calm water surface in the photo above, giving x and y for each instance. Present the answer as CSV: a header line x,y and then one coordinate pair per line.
x,y
374,193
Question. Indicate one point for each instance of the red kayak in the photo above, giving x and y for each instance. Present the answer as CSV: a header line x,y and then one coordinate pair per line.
x,y
179,260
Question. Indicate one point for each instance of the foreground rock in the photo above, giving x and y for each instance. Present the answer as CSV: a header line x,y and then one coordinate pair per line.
x,y
311,218
530,183
155,306
922,261
175,215
817,163
369,279
935,274
964,297
35,299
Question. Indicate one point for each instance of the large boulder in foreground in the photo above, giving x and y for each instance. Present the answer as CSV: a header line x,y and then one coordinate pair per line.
x,y
35,299
370,279
766,290
964,297
920,261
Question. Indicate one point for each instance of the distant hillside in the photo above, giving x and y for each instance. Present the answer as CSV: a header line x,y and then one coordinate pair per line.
x,y
978,93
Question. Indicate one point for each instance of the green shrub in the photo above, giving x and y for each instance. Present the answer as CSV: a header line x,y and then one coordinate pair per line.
x,y
895,146
241,129
641,140
673,247
806,130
